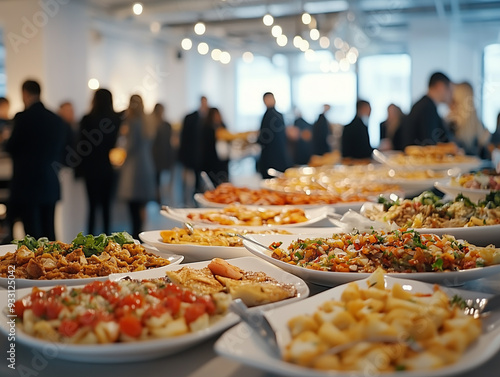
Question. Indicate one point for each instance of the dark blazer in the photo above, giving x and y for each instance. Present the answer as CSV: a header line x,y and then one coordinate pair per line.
x,y
190,141
216,168
423,125
100,132
320,132
36,145
355,140
302,150
273,141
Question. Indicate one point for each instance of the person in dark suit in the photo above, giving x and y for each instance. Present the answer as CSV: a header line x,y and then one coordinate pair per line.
x,y
189,146
36,145
98,129
320,133
423,125
272,139
302,148
355,137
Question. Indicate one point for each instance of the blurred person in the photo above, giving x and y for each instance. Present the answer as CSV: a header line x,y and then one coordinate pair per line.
x,y
189,146
162,148
272,139
467,130
5,121
67,114
36,145
99,128
423,125
320,133
215,147
495,136
355,137
390,131
302,149
137,174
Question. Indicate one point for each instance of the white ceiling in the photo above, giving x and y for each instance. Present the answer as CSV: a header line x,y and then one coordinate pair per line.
x,y
238,23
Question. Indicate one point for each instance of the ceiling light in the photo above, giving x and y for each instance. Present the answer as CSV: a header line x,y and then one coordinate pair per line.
x,y
137,9
314,34
200,28
225,57
338,42
268,20
203,48
297,40
276,31
186,44
324,42
93,84
155,27
354,50
306,18
339,55
247,57
216,54
304,45
351,57
310,55
344,65
282,40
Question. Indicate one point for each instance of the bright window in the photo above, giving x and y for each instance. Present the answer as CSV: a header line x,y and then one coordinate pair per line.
x,y
491,86
384,79
253,80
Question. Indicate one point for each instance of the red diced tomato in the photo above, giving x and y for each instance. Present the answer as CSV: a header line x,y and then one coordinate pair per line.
x,y
87,318
193,312
188,296
208,302
57,291
134,300
19,308
37,293
68,327
172,303
52,308
130,326
38,307
93,287
171,290
155,311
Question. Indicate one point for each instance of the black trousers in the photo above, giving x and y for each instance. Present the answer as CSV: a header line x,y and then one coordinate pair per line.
x,y
38,219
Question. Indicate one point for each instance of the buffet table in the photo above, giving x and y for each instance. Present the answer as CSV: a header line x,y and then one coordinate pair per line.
x,y
198,361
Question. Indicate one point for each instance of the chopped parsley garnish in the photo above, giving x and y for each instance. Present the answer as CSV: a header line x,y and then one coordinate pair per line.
x,y
438,264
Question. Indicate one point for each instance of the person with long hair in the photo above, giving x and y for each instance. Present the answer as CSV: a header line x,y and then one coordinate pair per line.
x,y
468,131
98,134
163,153
137,175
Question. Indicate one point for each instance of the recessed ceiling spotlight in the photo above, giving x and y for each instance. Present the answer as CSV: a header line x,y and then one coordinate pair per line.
x,y
200,28
93,84
216,53
276,31
247,57
225,57
282,40
155,27
314,34
306,18
297,40
137,8
268,20
203,48
186,44
324,42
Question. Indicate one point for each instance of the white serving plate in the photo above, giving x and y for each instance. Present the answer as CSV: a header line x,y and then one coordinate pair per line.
x,y
149,349
328,278
193,253
240,343
24,283
338,207
316,216
476,235
453,190
411,187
